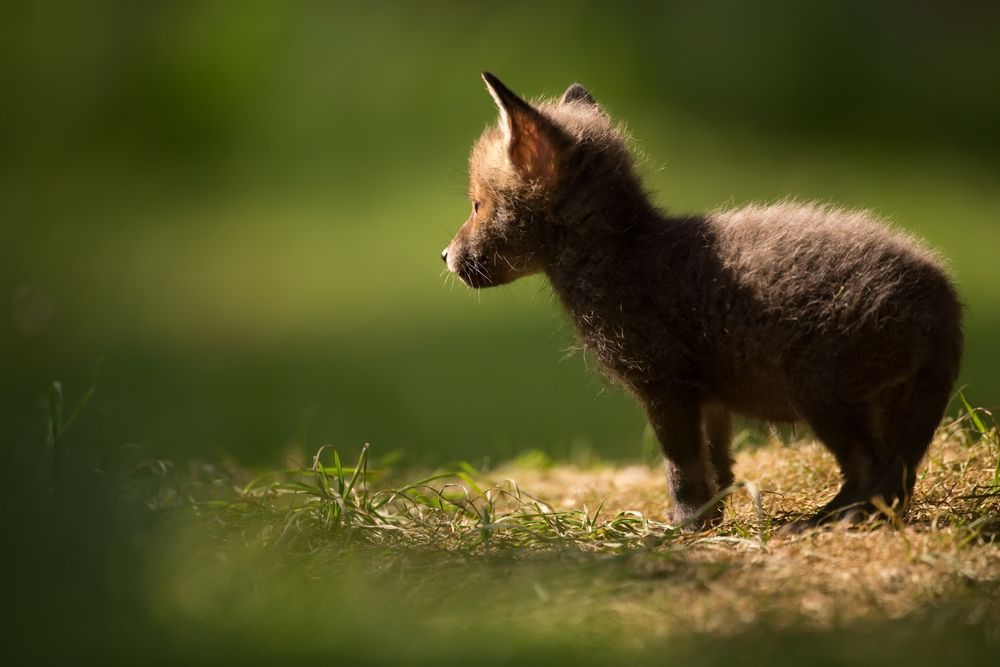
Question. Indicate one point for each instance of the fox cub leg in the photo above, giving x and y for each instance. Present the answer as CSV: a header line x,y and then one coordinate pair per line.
x,y
718,424
691,478
849,431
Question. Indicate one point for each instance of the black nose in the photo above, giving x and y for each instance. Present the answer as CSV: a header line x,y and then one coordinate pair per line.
x,y
444,255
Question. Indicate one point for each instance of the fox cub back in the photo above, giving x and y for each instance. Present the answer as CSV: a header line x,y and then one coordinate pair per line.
x,y
784,312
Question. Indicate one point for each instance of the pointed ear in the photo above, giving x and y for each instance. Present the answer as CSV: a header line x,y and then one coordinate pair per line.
x,y
577,93
534,143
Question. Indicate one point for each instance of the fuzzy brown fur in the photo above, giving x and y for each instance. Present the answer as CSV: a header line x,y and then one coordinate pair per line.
x,y
784,312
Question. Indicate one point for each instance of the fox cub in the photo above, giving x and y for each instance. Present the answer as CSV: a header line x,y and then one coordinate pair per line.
x,y
782,312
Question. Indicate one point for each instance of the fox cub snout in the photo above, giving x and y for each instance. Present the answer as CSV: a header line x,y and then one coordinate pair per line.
x,y
783,312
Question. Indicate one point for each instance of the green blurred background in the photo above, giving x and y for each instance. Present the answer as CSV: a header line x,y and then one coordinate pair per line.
x,y
240,206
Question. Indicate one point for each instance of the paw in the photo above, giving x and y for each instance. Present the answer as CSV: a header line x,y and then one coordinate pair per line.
x,y
796,527
692,517
847,516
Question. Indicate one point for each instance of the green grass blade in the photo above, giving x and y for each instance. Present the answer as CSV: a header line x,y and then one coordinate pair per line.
x,y
362,465
973,415
340,471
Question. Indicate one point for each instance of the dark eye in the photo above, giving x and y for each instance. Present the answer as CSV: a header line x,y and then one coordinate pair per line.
x,y
475,207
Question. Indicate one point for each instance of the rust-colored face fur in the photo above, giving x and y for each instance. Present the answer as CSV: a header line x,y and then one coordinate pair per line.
x,y
782,312
518,172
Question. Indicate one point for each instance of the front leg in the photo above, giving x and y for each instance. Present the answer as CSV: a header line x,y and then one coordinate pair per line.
x,y
677,421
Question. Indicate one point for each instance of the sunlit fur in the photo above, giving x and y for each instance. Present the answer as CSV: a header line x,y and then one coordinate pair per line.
x,y
785,312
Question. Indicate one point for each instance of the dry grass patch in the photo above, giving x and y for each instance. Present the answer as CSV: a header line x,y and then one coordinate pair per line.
x,y
738,575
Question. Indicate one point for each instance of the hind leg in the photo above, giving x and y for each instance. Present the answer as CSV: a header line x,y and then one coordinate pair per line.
x,y
894,483
918,412
718,425
848,431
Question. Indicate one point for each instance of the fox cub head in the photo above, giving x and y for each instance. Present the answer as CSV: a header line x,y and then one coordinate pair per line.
x,y
541,170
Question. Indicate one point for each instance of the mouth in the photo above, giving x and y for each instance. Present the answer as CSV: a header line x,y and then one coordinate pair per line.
x,y
473,274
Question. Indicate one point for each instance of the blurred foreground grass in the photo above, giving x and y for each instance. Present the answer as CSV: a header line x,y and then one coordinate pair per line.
x,y
528,563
